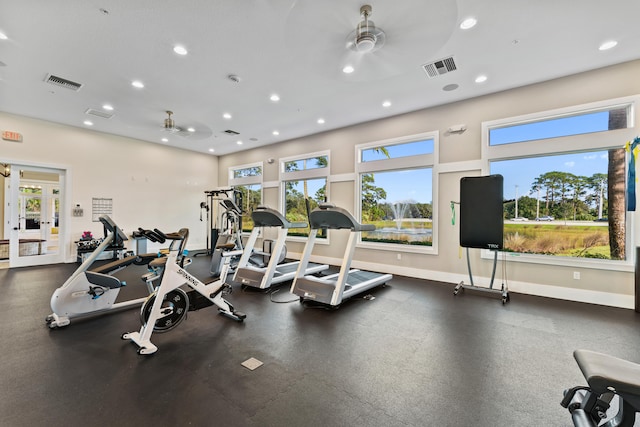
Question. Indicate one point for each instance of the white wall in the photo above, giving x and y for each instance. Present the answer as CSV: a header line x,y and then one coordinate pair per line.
x,y
151,185
459,155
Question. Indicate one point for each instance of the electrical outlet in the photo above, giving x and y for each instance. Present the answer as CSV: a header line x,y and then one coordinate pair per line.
x,y
399,257
576,275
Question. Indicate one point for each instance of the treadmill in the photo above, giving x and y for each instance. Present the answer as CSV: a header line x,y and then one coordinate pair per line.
x,y
335,288
263,277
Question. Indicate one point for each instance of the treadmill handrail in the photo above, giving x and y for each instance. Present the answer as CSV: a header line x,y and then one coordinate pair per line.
x,y
335,218
264,216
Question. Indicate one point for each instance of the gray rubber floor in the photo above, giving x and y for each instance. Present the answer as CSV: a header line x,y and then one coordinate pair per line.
x,y
413,356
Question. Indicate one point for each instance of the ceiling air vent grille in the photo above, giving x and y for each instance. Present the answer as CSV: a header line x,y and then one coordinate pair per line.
x,y
59,81
98,113
231,132
440,67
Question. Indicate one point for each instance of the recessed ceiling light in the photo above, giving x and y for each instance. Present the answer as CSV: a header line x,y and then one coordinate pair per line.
x,y
180,50
88,123
348,69
107,107
481,79
211,150
164,140
275,98
450,87
191,130
3,36
137,84
239,142
275,132
227,116
386,104
468,23
320,121
608,45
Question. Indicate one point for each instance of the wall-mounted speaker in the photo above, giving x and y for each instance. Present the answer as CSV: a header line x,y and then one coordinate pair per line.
x,y
481,212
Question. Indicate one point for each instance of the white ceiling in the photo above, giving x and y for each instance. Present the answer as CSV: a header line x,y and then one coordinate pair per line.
x,y
294,48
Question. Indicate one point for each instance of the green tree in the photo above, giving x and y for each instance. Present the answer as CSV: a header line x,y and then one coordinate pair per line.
x,y
371,195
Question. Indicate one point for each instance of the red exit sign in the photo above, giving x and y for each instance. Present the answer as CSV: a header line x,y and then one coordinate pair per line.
x,y
12,136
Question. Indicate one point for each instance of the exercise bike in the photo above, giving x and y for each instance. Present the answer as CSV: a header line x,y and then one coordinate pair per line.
x,y
94,291
167,307
607,377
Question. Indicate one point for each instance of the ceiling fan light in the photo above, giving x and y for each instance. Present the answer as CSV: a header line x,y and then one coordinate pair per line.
x,y
365,42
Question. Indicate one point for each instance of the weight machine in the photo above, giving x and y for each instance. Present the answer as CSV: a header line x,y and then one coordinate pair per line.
x,y
219,217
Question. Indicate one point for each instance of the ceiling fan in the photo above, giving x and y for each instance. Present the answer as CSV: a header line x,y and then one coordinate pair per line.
x,y
170,124
192,131
353,48
366,37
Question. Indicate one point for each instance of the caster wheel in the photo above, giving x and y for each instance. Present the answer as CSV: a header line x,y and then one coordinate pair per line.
x,y
141,350
124,336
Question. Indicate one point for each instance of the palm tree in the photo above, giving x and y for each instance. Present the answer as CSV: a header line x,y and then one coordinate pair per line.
x,y
615,187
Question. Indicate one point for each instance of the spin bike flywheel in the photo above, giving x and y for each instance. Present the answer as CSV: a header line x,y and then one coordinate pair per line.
x,y
174,309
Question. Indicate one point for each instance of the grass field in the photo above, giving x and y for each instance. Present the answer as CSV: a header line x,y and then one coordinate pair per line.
x,y
554,239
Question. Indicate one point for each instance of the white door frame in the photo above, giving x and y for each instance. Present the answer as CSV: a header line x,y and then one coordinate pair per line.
x,y
63,230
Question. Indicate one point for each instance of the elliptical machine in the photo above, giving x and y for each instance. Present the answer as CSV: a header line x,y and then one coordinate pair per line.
x,y
167,307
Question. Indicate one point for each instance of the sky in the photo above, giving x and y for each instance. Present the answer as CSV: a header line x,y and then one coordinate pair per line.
x,y
523,172
518,174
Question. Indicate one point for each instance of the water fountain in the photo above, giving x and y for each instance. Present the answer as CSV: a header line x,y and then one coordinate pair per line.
x,y
399,209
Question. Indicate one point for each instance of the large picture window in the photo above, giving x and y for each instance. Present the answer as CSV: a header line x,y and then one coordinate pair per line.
x,y
304,178
564,190
395,188
248,180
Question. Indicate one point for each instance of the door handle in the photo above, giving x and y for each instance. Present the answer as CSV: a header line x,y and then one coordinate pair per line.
x,y
16,228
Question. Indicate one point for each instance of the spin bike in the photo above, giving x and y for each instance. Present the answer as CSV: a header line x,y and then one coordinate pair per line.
x,y
607,377
90,291
167,307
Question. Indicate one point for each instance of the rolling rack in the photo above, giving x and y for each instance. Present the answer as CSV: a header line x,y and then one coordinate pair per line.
x,y
482,227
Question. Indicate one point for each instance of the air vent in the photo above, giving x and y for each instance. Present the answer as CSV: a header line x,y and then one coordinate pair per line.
x,y
59,81
440,67
231,132
98,113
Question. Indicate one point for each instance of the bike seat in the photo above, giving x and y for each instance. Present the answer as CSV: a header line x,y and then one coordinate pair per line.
x,y
158,262
607,373
103,280
226,246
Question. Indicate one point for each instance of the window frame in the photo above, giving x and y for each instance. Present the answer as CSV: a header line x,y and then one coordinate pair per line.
x,y
300,175
420,161
247,180
578,143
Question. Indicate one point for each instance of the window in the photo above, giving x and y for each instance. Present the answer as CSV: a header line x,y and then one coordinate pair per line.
x,y
564,190
248,180
303,178
395,189
553,127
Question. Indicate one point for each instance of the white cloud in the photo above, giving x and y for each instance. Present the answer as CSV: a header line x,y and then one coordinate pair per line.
x,y
570,164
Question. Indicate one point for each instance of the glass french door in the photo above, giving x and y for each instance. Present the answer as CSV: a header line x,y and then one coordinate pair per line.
x,y
35,225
